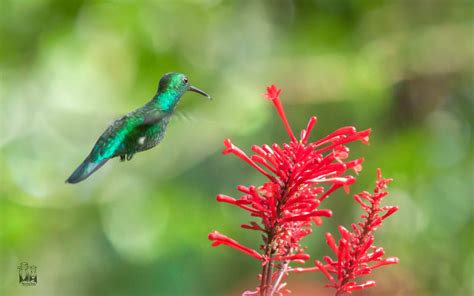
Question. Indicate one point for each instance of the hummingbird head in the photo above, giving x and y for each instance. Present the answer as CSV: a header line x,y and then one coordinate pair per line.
x,y
178,84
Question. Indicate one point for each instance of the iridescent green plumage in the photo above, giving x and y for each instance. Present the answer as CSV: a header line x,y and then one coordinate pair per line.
x,y
139,130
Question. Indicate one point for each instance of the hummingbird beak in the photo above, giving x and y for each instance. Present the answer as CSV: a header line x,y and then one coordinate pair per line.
x,y
197,90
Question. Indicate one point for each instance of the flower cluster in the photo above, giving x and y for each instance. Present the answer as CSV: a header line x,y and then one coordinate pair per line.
x,y
356,255
300,175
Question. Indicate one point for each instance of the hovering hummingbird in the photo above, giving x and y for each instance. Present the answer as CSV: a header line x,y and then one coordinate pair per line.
x,y
139,130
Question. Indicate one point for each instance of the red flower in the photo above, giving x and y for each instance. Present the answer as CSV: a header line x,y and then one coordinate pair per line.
x,y
272,93
300,176
355,252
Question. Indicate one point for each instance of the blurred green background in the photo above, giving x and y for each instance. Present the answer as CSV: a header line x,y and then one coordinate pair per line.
x,y
68,68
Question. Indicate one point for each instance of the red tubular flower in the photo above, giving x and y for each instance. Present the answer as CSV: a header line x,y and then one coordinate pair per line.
x,y
356,255
220,239
300,176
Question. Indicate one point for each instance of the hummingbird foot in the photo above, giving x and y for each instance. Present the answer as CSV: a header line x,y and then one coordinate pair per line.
x,y
126,157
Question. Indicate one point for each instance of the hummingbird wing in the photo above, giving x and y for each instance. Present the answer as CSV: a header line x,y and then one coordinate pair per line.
x,y
113,141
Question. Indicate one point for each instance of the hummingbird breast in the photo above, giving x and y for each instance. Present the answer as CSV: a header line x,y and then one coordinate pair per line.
x,y
152,135
144,138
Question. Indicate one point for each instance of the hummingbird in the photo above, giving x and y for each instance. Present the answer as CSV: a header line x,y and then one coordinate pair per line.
x,y
138,130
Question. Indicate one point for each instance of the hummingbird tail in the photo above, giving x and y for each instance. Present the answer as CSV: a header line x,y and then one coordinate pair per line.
x,y
86,169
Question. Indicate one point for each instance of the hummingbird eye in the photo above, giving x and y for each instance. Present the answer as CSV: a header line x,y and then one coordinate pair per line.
x,y
185,80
